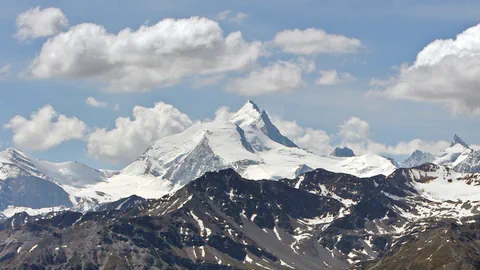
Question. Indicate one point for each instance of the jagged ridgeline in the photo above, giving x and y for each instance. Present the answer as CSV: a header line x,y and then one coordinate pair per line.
x,y
320,220
186,203
248,142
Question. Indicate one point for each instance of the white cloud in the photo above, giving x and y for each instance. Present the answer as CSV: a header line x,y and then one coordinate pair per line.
x,y
445,72
154,56
332,77
92,102
314,140
223,114
354,129
315,41
228,15
45,129
281,76
131,137
4,71
355,134
36,22
307,65
239,17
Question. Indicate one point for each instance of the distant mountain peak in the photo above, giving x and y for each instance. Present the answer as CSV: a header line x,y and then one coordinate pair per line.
x,y
251,103
247,115
458,140
342,152
250,116
13,151
417,158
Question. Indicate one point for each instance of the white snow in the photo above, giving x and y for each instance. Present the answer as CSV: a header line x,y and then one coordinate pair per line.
x,y
11,210
242,144
200,224
276,233
453,155
285,264
68,173
33,248
446,184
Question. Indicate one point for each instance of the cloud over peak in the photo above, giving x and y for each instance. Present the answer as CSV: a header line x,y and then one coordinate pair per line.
x,y
131,137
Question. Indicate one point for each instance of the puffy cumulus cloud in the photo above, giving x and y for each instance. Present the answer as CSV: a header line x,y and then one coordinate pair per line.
x,y
314,140
315,41
131,137
332,77
45,129
154,56
228,15
281,76
355,134
445,72
37,22
94,103
354,129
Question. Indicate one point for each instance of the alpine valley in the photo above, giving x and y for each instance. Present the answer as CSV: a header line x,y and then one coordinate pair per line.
x,y
238,194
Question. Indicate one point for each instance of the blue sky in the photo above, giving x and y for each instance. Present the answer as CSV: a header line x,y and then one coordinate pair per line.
x,y
391,33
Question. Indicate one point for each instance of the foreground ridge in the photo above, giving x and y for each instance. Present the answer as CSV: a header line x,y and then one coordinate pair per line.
x,y
224,221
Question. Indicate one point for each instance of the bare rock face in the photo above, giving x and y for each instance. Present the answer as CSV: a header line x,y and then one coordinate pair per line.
x,y
342,152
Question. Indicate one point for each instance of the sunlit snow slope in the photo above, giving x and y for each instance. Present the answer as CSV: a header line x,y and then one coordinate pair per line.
x,y
249,143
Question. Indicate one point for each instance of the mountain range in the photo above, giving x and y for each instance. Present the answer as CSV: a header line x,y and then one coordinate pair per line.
x,y
238,194
319,220
248,142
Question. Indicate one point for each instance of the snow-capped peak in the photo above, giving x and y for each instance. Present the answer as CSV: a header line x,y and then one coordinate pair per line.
x,y
455,154
417,158
12,153
14,162
458,140
249,114
250,117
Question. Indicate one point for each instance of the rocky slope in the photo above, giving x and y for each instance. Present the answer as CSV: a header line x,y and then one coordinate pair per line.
x,y
320,220
342,152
